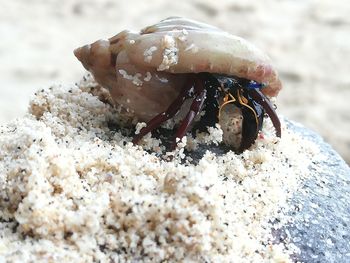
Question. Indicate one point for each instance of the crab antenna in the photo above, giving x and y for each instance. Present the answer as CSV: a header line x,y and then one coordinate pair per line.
x,y
258,96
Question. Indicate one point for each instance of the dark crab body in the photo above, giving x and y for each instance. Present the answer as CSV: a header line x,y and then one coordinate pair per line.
x,y
152,73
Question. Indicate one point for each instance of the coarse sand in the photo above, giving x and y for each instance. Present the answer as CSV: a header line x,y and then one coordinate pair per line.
x,y
74,189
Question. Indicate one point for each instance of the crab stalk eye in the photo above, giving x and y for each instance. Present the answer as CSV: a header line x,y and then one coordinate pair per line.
x,y
255,85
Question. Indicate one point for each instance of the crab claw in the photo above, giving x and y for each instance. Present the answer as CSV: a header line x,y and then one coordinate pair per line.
x,y
253,115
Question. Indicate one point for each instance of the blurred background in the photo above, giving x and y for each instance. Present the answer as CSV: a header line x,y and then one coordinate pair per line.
x,y
308,41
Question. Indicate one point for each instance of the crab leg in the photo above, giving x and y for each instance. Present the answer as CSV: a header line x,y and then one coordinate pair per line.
x,y
260,98
211,105
169,113
195,108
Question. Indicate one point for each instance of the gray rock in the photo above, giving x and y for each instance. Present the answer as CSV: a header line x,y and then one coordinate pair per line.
x,y
321,218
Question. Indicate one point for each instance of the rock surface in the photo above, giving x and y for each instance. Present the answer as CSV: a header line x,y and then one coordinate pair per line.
x,y
321,219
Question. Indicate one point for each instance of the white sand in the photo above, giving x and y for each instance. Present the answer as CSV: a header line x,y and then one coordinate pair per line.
x,y
307,40
72,190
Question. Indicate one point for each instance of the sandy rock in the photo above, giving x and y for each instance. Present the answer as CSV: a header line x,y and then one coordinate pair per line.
x,y
73,188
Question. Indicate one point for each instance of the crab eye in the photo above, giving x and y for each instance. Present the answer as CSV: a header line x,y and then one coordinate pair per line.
x,y
256,85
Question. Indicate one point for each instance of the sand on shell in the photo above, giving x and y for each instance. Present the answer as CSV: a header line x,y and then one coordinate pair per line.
x,y
75,190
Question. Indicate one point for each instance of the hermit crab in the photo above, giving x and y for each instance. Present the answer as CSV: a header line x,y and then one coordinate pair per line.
x,y
153,72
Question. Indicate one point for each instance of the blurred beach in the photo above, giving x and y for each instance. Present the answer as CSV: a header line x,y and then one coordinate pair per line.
x,y
308,42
